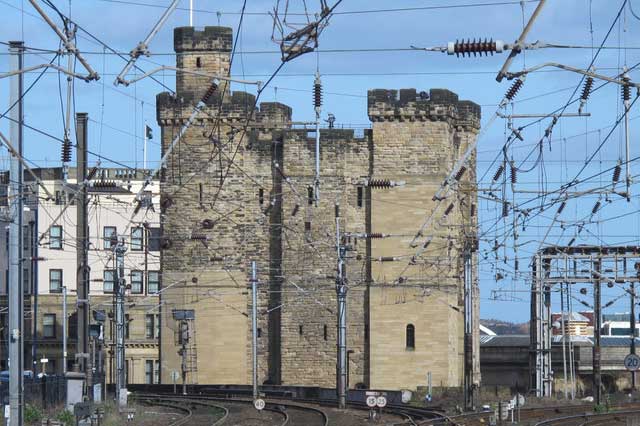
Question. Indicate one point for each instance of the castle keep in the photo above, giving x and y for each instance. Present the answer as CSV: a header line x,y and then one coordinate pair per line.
x,y
238,187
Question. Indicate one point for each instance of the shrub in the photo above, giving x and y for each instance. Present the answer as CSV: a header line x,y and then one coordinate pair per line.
x,y
32,414
66,417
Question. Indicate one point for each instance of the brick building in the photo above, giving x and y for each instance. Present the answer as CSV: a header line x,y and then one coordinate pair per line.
x,y
238,187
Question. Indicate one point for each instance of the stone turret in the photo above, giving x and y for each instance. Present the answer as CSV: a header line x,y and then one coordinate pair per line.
x,y
204,51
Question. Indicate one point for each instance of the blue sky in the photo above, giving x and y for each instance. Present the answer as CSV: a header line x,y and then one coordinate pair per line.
x,y
118,114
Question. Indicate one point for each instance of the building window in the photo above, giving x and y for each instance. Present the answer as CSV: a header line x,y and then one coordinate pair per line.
x,y
55,280
136,282
156,372
325,332
153,282
55,237
26,238
52,367
109,233
137,238
300,330
154,239
49,326
360,195
127,321
157,329
148,371
108,280
149,327
411,337
26,282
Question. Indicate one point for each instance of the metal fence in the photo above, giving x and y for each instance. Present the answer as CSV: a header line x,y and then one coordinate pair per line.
x,y
45,392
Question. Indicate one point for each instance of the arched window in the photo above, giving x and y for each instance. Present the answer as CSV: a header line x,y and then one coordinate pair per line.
x,y
411,337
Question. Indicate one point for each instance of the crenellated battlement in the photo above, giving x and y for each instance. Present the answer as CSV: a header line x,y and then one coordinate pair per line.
x,y
235,107
209,39
410,105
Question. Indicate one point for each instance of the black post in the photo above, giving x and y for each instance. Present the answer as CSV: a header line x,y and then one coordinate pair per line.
x,y
633,331
597,326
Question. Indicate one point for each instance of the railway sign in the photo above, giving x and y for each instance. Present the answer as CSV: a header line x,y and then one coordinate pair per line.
x,y
381,401
371,401
259,404
632,362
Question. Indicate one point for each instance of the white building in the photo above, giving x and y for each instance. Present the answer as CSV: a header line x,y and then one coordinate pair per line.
x,y
50,264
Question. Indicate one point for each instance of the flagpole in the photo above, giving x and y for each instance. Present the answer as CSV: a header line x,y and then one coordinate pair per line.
x,y
144,148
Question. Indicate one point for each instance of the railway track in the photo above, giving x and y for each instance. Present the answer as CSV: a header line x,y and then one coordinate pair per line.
x,y
608,419
240,412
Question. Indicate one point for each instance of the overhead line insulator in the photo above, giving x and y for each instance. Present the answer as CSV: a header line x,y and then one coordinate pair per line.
x,y
562,206
498,173
66,151
514,173
616,173
210,91
448,210
460,173
596,207
317,93
586,89
514,89
474,47
626,89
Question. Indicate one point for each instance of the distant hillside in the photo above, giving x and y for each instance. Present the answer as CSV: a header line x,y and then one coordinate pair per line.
x,y
505,327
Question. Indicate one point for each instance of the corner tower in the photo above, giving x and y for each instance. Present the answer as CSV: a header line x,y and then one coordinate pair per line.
x,y
417,309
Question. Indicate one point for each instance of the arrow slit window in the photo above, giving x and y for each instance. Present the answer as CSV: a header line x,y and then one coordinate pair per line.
x,y
410,337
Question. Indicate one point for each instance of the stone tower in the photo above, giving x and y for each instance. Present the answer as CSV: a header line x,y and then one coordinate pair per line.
x,y
416,139
238,187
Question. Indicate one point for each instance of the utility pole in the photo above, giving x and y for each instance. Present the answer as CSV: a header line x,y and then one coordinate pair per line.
x,y
626,98
597,325
64,329
254,327
633,330
317,103
16,293
469,324
82,242
121,385
341,292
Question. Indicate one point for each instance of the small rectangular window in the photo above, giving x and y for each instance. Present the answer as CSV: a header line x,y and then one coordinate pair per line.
x,y
55,280
325,332
49,326
154,239
136,282
157,329
149,328
137,238
26,282
109,234
360,196
300,329
153,282
108,280
148,371
261,196
55,237
156,372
